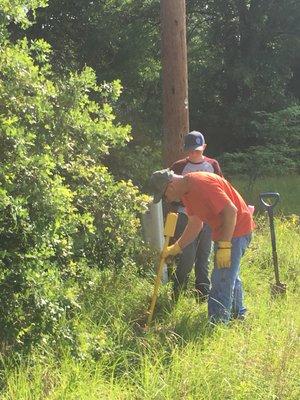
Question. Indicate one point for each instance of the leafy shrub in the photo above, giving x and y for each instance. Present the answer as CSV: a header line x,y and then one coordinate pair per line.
x,y
136,162
280,153
259,162
61,212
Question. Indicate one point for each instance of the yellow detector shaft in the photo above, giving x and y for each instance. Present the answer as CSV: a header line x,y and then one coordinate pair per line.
x,y
169,231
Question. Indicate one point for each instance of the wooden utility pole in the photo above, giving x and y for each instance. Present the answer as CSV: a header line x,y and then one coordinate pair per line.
x,y
175,79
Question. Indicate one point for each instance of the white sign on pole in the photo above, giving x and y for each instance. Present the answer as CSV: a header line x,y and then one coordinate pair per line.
x,y
153,230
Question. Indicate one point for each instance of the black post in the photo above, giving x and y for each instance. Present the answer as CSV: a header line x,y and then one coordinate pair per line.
x,y
273,240
278,287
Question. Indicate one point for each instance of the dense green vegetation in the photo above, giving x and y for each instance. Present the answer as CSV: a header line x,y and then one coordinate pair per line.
x,y
244,80
80,123
181,356
288,188
62,213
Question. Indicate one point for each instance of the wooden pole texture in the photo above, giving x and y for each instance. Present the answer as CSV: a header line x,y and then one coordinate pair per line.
x,y
175,78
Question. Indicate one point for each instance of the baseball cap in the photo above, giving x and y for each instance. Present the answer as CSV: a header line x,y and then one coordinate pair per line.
x,y
194,141
158,183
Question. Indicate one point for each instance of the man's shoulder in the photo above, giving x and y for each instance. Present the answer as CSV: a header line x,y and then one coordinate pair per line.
x,y
210,160
179,162
178,165
204,177
214,163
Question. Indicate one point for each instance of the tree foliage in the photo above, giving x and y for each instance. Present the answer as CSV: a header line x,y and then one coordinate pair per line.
x,y
61,211
64,125
118,39
243,59
278,155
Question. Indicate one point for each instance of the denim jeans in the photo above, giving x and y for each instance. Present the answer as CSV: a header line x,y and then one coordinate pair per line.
x,y
226,298
196,252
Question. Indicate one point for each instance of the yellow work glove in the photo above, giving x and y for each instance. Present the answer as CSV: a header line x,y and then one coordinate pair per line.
x,y
172,250
223,255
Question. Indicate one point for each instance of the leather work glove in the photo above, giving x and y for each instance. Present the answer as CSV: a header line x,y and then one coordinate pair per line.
x,y
223,255
172,250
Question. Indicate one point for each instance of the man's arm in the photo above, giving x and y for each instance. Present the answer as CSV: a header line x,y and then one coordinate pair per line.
x,y
228,221
191,231
217,168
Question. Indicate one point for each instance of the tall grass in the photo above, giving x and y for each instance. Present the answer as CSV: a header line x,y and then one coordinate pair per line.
x,y
181,356
288,187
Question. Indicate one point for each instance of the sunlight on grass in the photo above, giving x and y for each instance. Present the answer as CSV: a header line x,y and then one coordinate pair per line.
x,y
288,188
181,356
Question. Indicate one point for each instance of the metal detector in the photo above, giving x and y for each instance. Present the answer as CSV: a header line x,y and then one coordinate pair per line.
x,y
169,231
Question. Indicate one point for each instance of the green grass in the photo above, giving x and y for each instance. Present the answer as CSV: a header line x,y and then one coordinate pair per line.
x,y
288,188
181,356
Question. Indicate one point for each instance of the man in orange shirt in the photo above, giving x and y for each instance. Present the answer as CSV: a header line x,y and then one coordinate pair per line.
x,y
198,252
209,198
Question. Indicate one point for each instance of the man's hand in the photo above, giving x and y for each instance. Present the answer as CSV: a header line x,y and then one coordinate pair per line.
x,y
223,255
172,250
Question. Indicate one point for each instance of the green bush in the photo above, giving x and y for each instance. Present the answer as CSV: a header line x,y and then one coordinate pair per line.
x,y
278,156
260,162
61,212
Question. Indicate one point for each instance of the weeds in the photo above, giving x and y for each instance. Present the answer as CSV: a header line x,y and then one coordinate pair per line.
x,y
181,356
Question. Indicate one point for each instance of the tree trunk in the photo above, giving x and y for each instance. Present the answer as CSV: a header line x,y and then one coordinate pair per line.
x,y
175,81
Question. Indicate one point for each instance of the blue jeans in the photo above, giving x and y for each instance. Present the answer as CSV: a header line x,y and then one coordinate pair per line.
x,y
196,252
226,298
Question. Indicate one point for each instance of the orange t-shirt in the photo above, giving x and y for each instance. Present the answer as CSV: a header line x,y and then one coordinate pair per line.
x,y
207,196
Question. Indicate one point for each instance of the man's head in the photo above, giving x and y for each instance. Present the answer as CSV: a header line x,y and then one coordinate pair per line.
x,y
194,142
159,181
165,183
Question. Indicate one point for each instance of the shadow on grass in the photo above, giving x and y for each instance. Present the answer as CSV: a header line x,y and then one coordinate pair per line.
x,y
180,322
191,329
